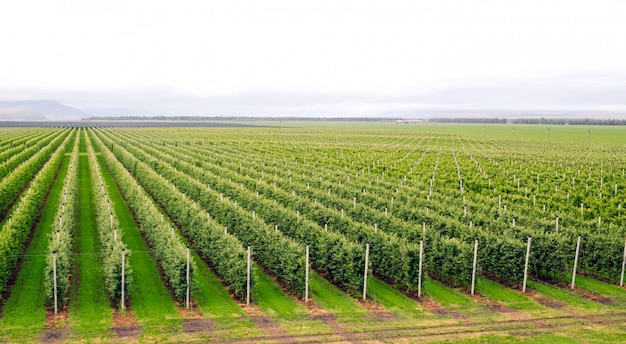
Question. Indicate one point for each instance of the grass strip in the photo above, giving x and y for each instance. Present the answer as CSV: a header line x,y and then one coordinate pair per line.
x,y
454,300
90,311
333,300
570,299
508,297
291,314
150,301
394,301
613,292
216,304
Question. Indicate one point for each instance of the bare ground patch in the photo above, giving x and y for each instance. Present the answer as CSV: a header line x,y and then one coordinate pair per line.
x,y
197,325
544,301
436,308
125,326
594,297
57,330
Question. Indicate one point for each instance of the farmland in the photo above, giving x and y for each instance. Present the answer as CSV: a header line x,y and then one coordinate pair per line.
x,y
404,232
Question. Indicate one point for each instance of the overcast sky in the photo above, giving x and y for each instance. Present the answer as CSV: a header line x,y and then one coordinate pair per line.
x,y
327,57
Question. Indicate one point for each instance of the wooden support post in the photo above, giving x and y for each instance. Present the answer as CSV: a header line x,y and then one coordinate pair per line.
x,y
474,265
419,276
306,272
367,255
122,306
575,263
526,266
621,281
54,276
557,225
248,279
188,280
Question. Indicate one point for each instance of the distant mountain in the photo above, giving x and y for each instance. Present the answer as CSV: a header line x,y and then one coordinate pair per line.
x,y
38,110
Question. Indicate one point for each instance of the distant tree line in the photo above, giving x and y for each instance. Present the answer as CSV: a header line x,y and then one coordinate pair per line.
x,y
469,120
237,118
570,121
554,121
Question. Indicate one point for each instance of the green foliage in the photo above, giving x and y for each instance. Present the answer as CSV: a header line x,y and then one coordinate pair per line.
x,y
168,250
60,240
23,215
111,237
19,177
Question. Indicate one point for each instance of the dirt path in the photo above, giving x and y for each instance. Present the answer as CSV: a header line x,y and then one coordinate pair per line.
x,y
515,327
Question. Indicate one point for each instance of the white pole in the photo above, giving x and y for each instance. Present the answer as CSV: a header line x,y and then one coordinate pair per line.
x,y
58,235
557,225
526,266
575,263
306,287
248,279
419,276
188,281
367,256
54,276
111,219
474,265
621,281
123,260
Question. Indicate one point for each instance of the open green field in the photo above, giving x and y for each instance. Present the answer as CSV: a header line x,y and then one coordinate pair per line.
x,y
390,196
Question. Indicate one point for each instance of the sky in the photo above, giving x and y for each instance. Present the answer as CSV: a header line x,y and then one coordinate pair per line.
x,y
326,58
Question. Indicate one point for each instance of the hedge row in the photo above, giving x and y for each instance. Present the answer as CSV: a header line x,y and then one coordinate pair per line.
x,y
109,232
60,239
24,213
169,251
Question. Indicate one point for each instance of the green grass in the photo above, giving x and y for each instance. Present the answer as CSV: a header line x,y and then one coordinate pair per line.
x,y
565,297
24,313
89,311
333,300
505,296
150,301
216,304
451,299
611,291
291,314
272,300
394,301
543,338
583,134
